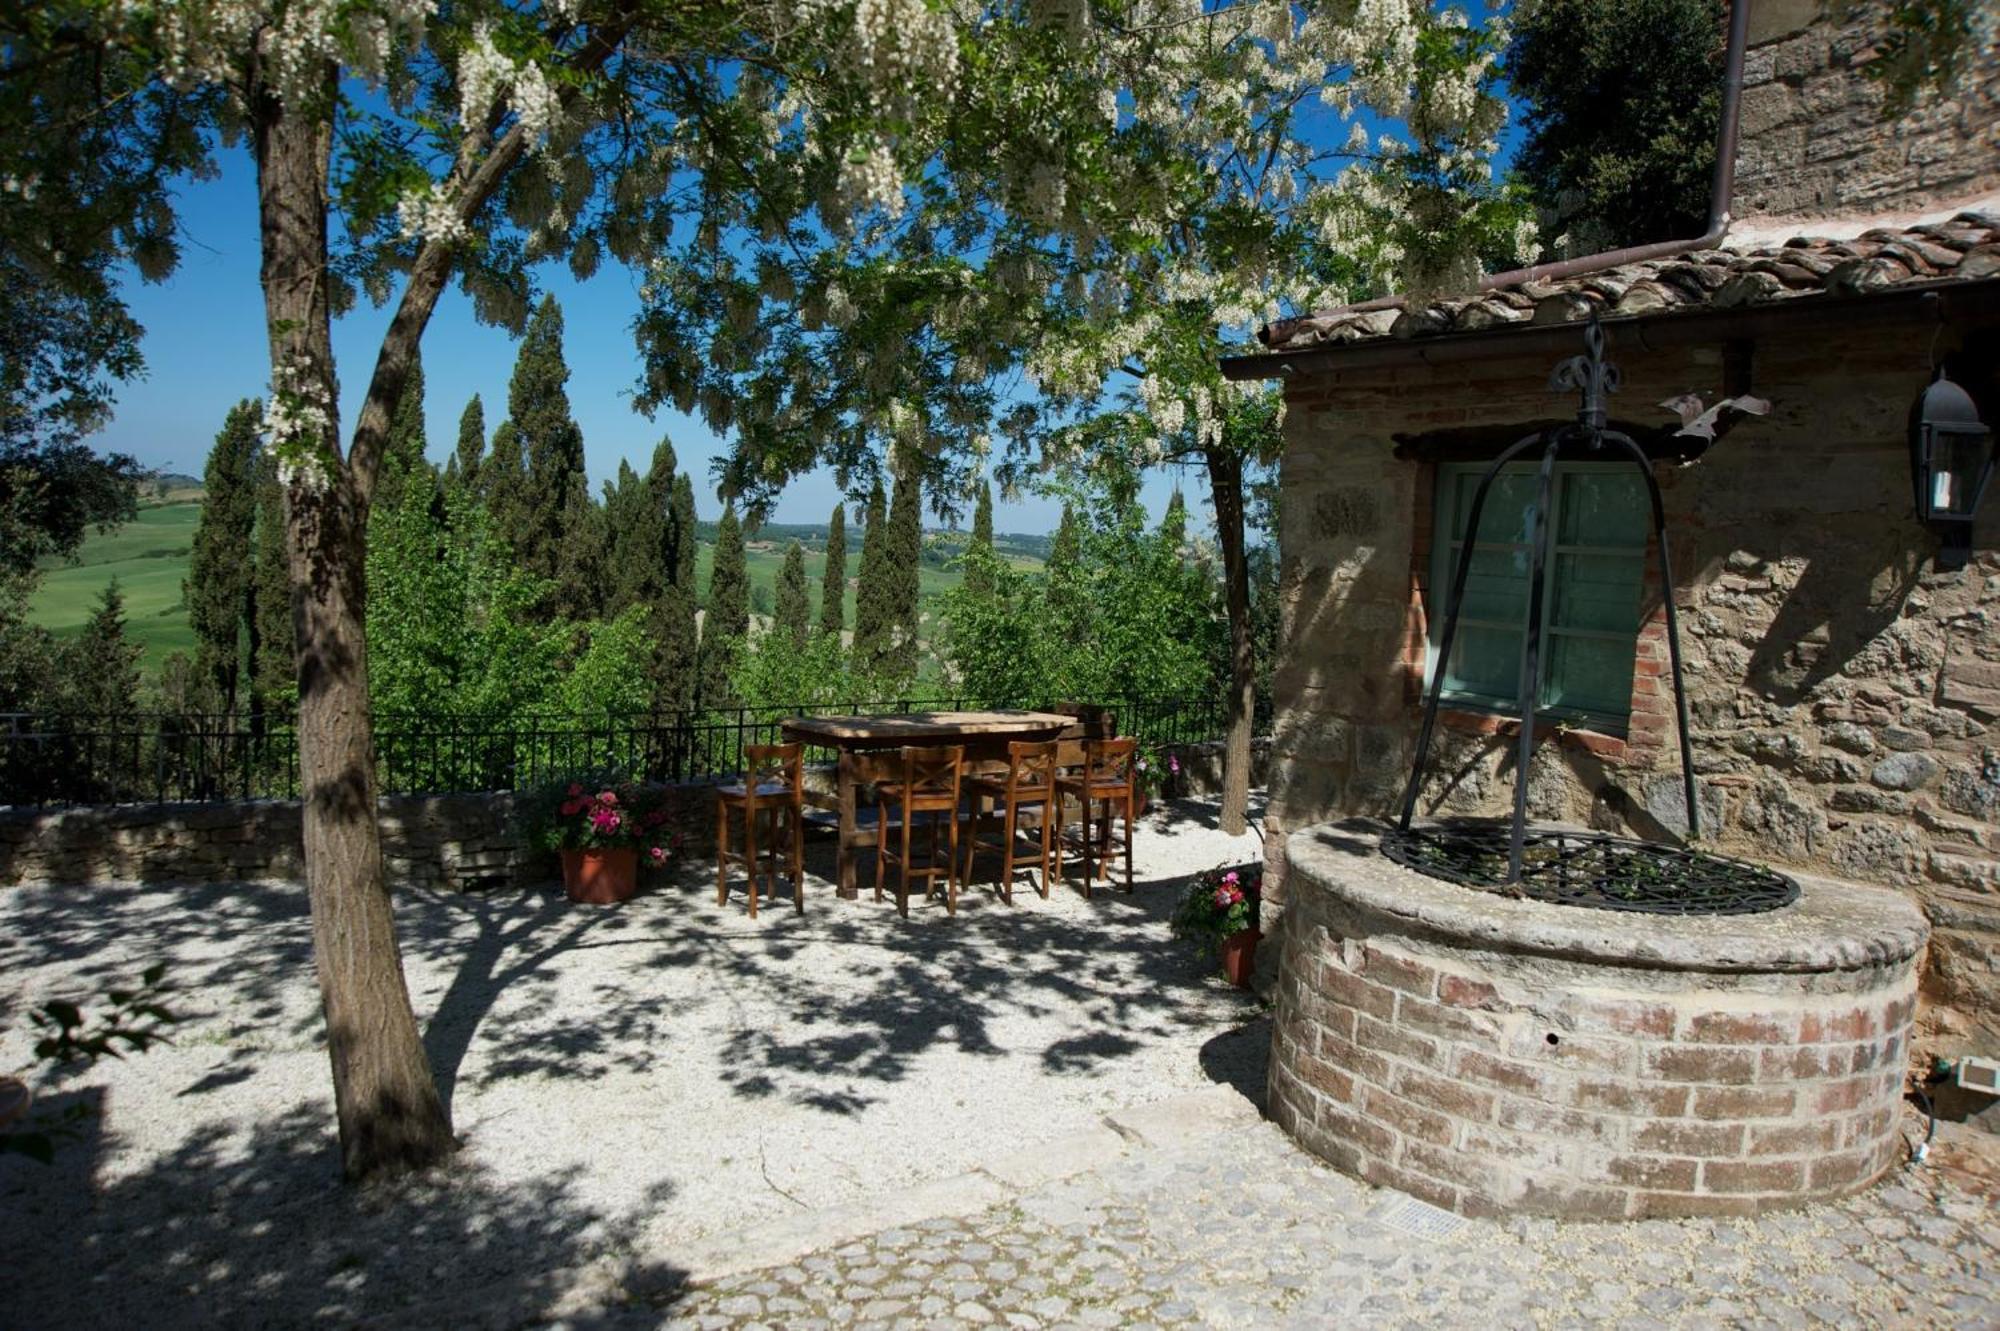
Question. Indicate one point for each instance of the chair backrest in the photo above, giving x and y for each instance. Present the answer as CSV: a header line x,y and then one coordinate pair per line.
x,y
1092,722
774,765
1031,765
1109,761
933,770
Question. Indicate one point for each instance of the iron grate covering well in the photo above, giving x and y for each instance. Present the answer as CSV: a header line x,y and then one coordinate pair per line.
x,y
1592,870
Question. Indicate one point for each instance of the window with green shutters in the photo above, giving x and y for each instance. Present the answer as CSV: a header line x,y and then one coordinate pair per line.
x,y
1590,600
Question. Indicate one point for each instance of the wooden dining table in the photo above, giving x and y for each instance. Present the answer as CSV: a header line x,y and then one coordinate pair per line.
x,y
870,751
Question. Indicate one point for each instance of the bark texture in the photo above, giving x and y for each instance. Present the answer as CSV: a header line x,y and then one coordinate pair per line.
x,y
391,1118
1225,480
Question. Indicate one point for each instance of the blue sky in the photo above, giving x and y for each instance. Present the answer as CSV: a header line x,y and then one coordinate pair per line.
x,y
205,349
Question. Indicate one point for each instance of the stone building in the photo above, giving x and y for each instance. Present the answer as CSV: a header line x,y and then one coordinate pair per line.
x,y
1844,688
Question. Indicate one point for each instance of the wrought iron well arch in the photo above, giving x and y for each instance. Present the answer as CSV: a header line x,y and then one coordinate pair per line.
x,y
1683,881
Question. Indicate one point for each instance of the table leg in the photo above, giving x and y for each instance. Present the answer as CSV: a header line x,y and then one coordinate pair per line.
x,y
845,780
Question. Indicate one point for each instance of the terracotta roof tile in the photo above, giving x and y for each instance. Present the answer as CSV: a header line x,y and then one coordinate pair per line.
x,y
1966,248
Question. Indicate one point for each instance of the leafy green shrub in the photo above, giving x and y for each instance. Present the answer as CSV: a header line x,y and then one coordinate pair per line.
x,y
1130,615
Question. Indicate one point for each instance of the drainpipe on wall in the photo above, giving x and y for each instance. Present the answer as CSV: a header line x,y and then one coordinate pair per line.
x,y
1721,194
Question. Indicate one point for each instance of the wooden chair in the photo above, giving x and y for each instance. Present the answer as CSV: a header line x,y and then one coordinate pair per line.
x,y
929,784
773,784
1029,783
1108,779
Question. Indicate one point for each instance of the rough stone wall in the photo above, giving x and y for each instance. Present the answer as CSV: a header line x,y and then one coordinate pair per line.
x,y
448,842
1814,141
1843,692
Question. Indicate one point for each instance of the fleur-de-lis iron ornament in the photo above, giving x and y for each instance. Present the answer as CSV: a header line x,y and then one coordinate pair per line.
x,y
1590,375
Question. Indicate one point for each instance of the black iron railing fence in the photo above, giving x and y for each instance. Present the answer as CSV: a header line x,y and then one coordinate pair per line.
x,y
161,758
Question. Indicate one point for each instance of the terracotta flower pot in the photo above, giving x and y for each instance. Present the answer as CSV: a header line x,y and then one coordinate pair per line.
x,y
601,877
1239,956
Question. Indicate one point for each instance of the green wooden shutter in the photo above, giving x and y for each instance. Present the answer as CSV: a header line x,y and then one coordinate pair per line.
x,y
1591,592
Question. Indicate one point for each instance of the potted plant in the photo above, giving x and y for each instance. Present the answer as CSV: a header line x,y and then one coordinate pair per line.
x,y
1219,911
600,830
1151,771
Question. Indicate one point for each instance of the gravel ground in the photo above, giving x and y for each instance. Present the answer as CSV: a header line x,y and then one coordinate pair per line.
x,y
624,1080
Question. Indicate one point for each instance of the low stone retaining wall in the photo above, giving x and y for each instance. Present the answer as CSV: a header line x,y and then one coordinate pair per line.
x,y
453,842
1201,766
1496,1055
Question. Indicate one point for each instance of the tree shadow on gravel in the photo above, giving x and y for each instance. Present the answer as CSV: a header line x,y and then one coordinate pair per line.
x,y
252,1227
1110,976
508,954
515,937
825,1010
1207,814
251,942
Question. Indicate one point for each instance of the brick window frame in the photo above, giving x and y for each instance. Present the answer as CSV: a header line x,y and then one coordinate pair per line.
x,y
1652,709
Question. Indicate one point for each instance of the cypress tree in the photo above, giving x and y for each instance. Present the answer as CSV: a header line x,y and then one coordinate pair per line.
x,y
1173,525
471,452
656,537
403,462
1067,547
634,541
99,667
580,557
220,589
871,617
501,487
728,620
794,613
833,583
675,630
729,584
902,552
1065,594
273,648
559,537
978,574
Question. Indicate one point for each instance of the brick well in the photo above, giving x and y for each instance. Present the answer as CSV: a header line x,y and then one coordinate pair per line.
x,y
1493,1055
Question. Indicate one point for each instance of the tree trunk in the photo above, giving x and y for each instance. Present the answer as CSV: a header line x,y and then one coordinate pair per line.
x,y
1225,482
390,1115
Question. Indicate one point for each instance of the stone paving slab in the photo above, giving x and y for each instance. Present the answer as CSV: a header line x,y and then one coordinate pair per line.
x,y
1234,1226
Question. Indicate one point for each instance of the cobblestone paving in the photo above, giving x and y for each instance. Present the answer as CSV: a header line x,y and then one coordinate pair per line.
x,y
1171,1237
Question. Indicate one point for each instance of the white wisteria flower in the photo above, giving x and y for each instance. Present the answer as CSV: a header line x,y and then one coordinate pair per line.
x,y
431,214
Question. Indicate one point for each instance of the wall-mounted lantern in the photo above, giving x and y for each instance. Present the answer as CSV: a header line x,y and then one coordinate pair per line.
x,y
1951,460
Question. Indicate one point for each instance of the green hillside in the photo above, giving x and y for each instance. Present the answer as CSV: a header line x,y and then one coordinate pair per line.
x,y
149,557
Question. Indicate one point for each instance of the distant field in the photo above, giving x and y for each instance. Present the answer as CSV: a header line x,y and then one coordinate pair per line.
x,y
765,562
149,557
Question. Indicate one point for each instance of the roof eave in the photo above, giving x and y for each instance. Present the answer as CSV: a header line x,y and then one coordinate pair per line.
x,y
1942,300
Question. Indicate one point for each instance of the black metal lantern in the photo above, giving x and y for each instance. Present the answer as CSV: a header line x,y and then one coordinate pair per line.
x,y
1951,461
